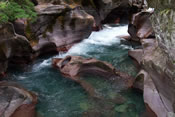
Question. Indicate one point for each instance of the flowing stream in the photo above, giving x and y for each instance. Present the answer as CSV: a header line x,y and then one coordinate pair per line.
x,y
61,97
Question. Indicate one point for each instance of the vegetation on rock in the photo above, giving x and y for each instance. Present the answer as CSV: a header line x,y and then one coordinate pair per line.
x,y
14,9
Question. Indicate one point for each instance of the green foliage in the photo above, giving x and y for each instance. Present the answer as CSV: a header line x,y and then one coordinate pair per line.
x,y
14,9
165,11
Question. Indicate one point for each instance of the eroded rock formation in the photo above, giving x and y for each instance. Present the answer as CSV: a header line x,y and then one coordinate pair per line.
x,y
75,67
140,25
60,24
14,48
158,75
158,60
16,101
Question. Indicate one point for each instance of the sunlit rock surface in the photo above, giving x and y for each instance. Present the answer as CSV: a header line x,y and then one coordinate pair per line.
x,y
60,24
140,26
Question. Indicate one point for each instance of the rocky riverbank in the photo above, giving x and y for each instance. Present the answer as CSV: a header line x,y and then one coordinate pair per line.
x,y
63,23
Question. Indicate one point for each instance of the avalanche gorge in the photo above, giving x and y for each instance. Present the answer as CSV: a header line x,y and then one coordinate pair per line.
x,y
87,58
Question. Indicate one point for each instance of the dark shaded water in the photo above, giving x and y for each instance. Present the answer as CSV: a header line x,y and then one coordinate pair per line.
x,y
61,97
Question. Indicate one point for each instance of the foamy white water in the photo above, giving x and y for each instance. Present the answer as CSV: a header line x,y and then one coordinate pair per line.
x,y
106,37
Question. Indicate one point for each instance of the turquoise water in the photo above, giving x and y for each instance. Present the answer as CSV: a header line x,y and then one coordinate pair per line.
x,y
61,97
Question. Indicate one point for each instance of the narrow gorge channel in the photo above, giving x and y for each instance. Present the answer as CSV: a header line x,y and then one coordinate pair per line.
x,y
61,97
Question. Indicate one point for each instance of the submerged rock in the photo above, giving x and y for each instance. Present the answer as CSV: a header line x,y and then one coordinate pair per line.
x,y
16,101
76,67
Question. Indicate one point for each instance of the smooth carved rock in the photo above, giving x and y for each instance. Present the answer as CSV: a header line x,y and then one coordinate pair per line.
x,y
140,26
16,101
152,97
45,48
99,9
50,9
13,48
157,63
158,85
139,81
75,67
159,57
136,54
60,24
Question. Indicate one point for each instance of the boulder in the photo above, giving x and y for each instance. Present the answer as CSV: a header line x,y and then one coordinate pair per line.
x,y
14,48
59,24
16,101
75,67
45,48
140,26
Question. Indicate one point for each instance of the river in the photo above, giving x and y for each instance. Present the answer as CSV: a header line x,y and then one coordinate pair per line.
x,y
61,97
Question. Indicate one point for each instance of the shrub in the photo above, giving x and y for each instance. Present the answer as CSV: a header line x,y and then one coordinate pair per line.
x,y
14,9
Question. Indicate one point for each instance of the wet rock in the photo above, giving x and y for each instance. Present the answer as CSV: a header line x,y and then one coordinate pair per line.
x,y
60,24
136,54
140,26
16,101
139,81
75,67
45,48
